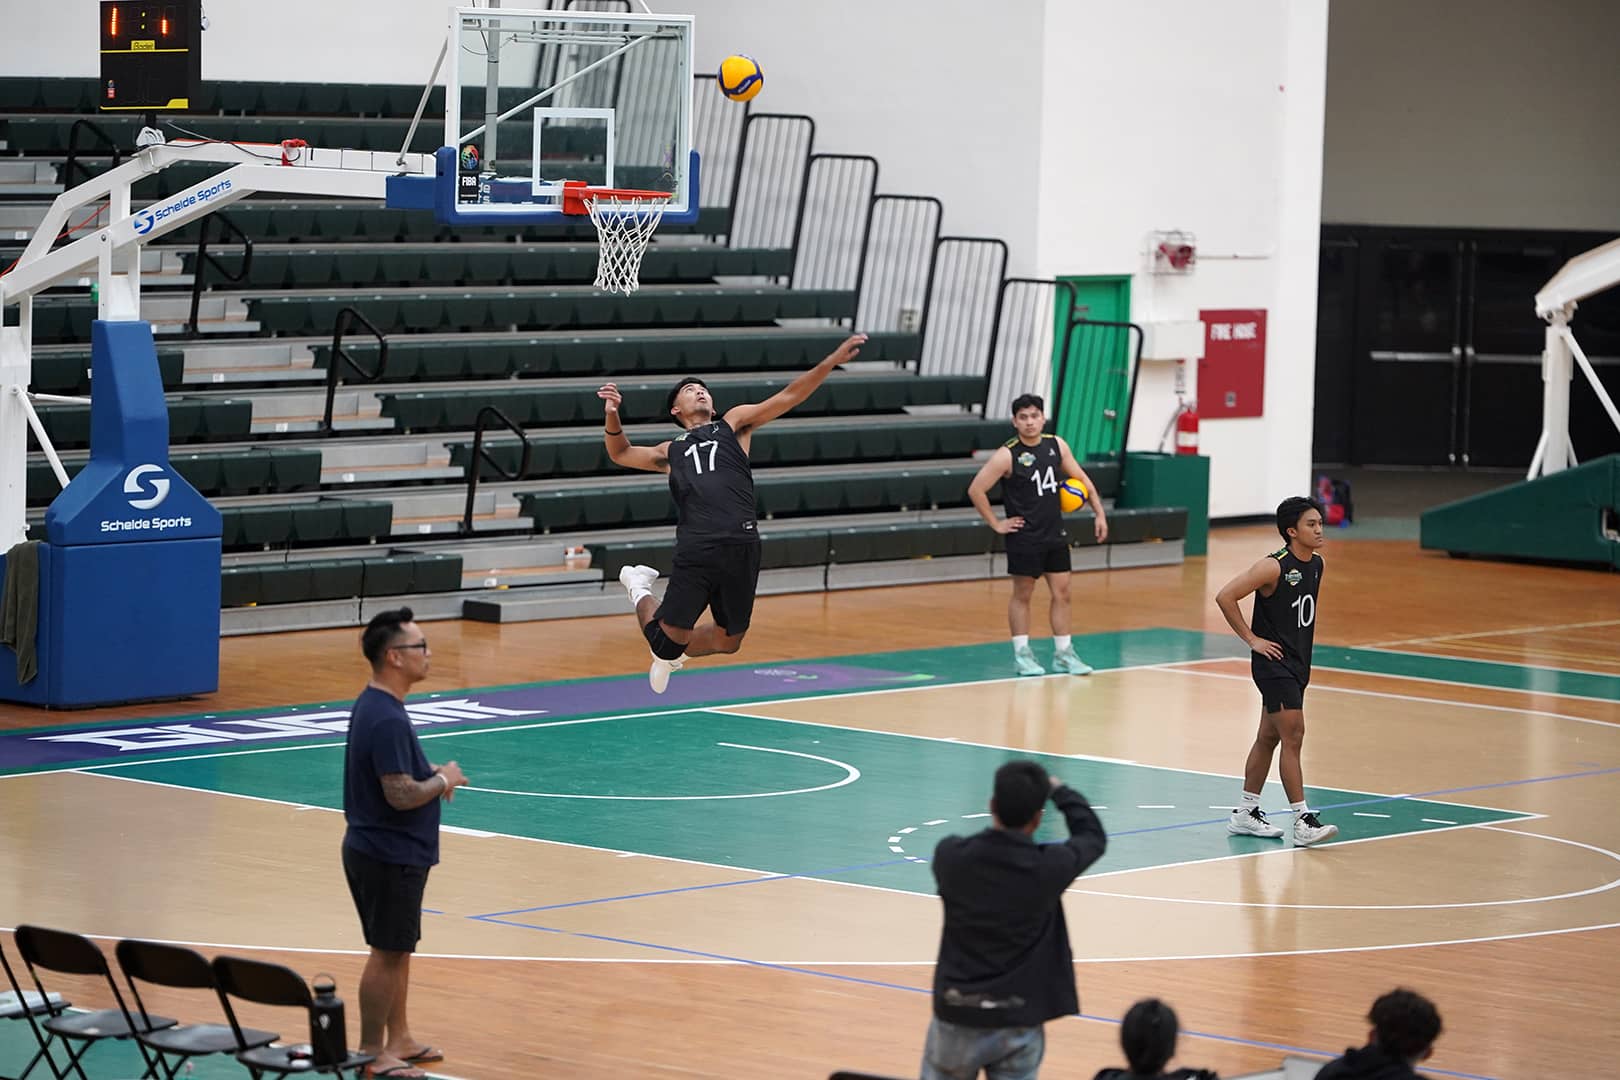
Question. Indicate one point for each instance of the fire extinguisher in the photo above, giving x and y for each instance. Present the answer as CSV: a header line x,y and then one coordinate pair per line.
x,y
1187,429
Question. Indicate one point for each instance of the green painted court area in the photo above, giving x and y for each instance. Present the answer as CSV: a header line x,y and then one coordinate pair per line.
x,y
789,797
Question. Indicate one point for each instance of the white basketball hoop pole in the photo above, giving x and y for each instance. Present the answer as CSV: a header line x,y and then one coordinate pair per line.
x,y
1585,275
115,250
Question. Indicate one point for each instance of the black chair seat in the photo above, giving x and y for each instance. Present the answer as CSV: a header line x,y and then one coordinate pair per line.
x,y
192,1040
101,1024
288,1059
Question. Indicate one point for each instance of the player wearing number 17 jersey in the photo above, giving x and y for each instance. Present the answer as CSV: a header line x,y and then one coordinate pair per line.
x,y
716,565
1279,635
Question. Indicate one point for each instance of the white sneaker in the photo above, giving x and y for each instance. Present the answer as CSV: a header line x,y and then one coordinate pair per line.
x,y
637,580
1027,664
1066,660
1252,822
658,675
1308,830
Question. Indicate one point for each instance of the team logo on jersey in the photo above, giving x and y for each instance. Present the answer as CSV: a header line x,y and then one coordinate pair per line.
x,y
1026,459
682,435
1294,577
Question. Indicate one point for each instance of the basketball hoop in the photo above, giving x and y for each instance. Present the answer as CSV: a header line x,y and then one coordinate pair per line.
x,y
624,220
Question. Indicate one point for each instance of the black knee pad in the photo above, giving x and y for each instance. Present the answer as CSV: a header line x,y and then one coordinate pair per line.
x,y
663,646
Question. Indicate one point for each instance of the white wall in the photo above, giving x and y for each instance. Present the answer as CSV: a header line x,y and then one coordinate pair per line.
x,y
1208,118
1496,113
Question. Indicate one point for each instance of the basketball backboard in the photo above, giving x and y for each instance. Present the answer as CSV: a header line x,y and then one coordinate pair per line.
x,y
536,98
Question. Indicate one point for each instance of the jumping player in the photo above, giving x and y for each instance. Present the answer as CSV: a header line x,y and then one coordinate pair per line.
x,y
1284,585
716,540
1029,468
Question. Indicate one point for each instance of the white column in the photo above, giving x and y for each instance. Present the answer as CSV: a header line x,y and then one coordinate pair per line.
x,y
1557,367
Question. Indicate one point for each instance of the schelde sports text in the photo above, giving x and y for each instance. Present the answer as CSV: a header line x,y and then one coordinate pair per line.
x,y
146,524
190,200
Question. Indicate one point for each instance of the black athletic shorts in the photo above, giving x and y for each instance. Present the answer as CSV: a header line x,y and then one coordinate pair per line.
x,y
388,898
721,577
1035,562
1278,693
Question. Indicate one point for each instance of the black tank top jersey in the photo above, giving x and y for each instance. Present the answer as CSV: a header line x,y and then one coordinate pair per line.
x,y
712,483
1288,617
1030,491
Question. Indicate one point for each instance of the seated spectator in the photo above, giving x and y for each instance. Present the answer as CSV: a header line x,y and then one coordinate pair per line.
x,y
1148,1037
1404,1027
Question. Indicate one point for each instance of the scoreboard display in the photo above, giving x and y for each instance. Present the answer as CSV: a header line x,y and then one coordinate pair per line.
x,y
151,55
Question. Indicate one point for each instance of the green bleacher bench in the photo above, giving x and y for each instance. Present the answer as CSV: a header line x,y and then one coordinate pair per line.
x,y
457,264
797,544
307,523
69,372
190,420
647,502
498,309
830,442
626,353
389,573
537,404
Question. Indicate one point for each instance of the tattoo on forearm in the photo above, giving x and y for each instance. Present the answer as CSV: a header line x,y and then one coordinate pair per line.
x,y
402,790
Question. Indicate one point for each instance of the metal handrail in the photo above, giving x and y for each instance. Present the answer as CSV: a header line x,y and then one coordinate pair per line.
x,y
480,455
86,124
204,260
341,356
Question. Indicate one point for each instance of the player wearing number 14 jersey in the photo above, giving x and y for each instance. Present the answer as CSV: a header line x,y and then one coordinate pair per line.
x,y
1030,469
716,565
1279,635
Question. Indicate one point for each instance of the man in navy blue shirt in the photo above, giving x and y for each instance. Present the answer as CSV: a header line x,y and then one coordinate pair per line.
x,y
391,796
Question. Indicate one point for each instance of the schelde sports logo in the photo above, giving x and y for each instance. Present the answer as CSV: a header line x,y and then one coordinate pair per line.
x,y
148,219
145,487
133,487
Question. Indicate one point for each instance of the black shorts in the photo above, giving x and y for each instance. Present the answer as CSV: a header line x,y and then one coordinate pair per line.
x,y
721,577
388,898
1280,692
1035,561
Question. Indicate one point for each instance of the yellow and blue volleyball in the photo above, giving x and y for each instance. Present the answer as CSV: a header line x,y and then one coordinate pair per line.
x,y
1072,495
740,78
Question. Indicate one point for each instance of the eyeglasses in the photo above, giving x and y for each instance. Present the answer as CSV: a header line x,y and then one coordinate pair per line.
x,y
416,645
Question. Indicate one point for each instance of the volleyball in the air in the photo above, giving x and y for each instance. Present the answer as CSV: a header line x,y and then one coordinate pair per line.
x,y
1071,495
740,78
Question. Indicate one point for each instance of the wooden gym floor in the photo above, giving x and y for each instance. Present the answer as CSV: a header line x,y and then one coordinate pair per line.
x,y
729,881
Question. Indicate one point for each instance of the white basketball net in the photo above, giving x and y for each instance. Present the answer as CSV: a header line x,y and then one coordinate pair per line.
x,y
624,225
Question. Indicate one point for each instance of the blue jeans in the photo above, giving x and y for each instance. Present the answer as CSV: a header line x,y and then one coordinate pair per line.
x,y
954,1052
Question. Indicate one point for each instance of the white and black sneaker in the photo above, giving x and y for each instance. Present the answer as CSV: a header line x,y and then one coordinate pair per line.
x,y
1251,822
1308,829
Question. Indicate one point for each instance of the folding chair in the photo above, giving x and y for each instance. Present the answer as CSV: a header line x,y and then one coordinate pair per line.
x,y
20,1004
272,984
181,968
70,954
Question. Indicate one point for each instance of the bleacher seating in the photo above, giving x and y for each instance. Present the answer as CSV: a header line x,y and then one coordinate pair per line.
x,y
871,469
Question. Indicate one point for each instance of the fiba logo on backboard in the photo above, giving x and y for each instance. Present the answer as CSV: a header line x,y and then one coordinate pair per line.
x,y
134,486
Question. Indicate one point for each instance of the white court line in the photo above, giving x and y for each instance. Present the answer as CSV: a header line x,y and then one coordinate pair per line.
x,y
524,839
1479,686
1490,633
569,722
1363,813
1612,883
1498,663
851,774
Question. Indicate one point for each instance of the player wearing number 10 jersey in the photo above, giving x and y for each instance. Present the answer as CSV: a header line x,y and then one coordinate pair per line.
x,y
716,564
1279,635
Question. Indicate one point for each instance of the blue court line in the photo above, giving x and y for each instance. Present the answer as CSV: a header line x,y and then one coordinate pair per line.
x,y
883,985
813,875
493,916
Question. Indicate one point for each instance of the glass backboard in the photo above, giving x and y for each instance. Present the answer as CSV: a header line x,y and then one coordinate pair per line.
x,y
537,98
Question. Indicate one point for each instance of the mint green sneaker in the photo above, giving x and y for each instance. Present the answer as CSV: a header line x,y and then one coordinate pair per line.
x,y
1065,660
1027,664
